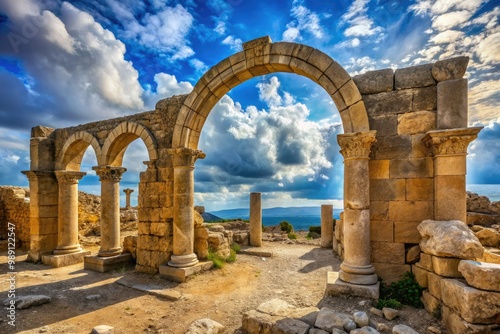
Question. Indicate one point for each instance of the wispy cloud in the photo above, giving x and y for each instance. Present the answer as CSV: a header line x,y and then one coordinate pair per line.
x,y
304,21
358,22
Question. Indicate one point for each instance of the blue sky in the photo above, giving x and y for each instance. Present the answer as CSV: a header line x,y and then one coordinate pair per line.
x,y
67,63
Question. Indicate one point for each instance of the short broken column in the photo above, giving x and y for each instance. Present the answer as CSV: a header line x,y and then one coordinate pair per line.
x,y
326,225
127,192
256,219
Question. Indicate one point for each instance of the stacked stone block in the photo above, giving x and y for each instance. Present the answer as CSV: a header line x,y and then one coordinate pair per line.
x,y
15,208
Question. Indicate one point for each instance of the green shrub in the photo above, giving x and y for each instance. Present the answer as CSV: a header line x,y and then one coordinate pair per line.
x,y
236,247
232,256
407,291
286,226
313,235
292,235
219,261
391,303
315,229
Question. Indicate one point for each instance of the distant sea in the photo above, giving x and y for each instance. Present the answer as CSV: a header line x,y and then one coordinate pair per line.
x,y
298,222
492,191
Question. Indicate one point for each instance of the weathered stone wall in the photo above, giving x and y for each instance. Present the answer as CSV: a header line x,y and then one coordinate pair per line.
x,y
15,208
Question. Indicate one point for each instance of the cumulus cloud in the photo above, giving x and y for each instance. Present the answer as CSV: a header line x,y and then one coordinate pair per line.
x,y
233,43
304,20
359,24
166,86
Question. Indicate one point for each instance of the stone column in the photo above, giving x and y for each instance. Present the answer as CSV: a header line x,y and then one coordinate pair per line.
x,y
67,232
449,149
183,160
326,226
110,209
356,267
127,192
256,219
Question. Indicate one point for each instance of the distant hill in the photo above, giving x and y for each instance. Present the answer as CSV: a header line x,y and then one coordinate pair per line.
x,y
274,212
208,217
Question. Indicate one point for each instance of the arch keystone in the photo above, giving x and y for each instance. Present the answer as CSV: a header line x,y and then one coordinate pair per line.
x,y
257,42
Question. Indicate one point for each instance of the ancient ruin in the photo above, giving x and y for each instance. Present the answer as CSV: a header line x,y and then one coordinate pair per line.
x,y
404,147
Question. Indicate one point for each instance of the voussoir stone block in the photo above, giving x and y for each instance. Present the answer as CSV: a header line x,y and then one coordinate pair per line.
x,y
449,239
415,76
481,275
375,81
450,69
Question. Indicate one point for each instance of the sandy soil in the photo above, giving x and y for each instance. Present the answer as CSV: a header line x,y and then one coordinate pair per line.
x,y
297,274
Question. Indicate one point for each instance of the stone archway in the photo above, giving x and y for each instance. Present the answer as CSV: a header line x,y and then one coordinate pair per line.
x,y
259,57
73,149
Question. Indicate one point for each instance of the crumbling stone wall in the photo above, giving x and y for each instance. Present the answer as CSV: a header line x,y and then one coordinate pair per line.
x,y
14,208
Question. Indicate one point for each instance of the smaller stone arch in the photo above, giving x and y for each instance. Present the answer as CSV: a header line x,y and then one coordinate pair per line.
x,y
74,148
118,140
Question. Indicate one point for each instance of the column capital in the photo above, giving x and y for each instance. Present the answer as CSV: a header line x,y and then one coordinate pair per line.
x,y
185,157
356,145
109,173
128,191
450,142
69,176
33,175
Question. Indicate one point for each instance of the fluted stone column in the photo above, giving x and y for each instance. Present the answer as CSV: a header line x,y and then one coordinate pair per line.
x,y
110,209
127,192
356,267
449,149
326,225
256,219
67,231
183,160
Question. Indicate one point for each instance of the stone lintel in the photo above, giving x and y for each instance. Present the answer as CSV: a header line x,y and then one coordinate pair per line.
x,y
34,174
181,274
335,286
63,260
109,173
356,145
450,142
257,42
104,264
256,251
184,156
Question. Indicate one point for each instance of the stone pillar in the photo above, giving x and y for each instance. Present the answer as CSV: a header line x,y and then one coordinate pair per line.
x,y
183,160
356,267
110,209
449,149
256,219
127,192
67,232
326,226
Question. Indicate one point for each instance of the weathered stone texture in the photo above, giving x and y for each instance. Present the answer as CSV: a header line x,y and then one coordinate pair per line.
x,y
388,252
481,275
452,104
375,81
416,76
416,122
450,69
15,209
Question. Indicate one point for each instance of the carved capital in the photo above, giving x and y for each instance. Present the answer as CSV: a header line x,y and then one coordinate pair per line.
x,y
109,173
128,191
356,145
66,176
450,142
185,157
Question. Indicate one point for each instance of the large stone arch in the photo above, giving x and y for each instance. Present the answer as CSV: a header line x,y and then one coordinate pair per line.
x,y
259,57
120,137
74,148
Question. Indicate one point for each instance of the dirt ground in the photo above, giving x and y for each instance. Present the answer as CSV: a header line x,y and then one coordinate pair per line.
x,y
296,274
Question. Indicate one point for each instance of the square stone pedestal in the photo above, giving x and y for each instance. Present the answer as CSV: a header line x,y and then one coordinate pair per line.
x,y
64,259
181,274
335,286
104,264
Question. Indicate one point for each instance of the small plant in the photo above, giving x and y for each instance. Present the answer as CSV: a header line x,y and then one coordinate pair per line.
x,y
407,291
232,256
286,226
236,247
218,261
313,235
391,303
315,229
292,235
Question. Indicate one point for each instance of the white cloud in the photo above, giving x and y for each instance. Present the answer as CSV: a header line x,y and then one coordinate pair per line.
x,y
198,65
166,86
483,101
488,49
447,36
304,20
233,43
451,19
360,25
268,92
220,28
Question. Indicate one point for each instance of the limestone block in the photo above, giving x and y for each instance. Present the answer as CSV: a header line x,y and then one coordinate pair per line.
x,y
379,210
379,169
410,211
456,325
488,237
159,229
450,165
446,266
103,329
391,272
418,148
450,69
434,284
420,189
205,326
406,232
388,252
490,257
387,189
415,76
382,231
390,313
416,122
481,275
424,98
484,219
473,305
403,329
420,275
452,104
413,254
431,303
286,326
391,147
375,81
361,318
388,103
450,202
255,322
386,125
364,330
328,319
426,261
411,168
449,239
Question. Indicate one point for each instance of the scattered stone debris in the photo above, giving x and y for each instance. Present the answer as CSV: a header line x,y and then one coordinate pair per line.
x,y
93,297
103,329
390,313
28,301
205,326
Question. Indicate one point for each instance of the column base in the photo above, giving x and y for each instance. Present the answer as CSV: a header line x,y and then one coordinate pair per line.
x,y
183,261
335,286
181,274
364,275
104,264
67,250
110,252
64,260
